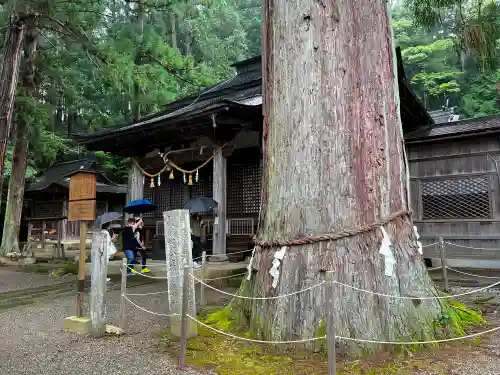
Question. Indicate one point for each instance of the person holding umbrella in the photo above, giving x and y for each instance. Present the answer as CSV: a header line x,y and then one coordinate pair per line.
x,y
130,243
196,238
139,235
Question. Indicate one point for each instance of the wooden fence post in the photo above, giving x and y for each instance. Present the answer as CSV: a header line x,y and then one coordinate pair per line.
x,y
330,324
44,226
99,267
202,286
184,318
123,293
443,264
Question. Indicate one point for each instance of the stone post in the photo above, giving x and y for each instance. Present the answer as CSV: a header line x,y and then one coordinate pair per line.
x,y
178,247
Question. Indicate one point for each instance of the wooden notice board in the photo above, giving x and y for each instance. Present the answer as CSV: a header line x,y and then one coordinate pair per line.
x,y
82,194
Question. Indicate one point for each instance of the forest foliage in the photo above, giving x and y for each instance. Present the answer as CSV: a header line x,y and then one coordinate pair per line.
x,y
99,60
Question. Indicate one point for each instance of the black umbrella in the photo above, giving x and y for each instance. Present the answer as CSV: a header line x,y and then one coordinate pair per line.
x,y
140,206
105,218
200,205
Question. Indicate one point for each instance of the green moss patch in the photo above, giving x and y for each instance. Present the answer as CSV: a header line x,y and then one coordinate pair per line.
x,y
225,356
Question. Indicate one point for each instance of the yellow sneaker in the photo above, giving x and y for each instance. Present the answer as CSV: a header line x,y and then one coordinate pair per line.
x,y
134,271
145,270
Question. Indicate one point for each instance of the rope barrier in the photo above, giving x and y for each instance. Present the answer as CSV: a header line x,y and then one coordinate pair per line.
x,y
417,298
252,340
472,274
470,247
346,338
257,298
431,244
419,342
146,294
145,310
434,268
226,277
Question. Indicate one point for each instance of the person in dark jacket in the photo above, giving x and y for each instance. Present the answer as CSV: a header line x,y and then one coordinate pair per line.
x,y
139,235
130,243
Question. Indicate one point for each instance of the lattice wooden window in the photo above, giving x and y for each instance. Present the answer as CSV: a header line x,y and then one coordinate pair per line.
x,y
48,209
460,198
149,194
176,194
243,187
204,186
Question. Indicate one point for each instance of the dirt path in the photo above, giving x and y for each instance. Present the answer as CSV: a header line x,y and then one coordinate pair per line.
x,y
33,341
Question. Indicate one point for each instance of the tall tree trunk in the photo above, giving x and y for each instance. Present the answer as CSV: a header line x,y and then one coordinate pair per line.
x,y
173,29
334,159
139,23
15,195
8,82
14,208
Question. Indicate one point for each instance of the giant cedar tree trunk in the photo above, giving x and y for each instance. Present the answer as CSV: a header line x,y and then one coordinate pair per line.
x,y
334,159
8,82
14,208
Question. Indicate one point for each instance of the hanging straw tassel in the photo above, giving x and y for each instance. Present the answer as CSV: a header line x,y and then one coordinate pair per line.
x,y
190,180
171,175
152,183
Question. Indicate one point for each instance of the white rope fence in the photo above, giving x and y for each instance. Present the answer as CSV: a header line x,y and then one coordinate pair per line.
x,y
331,337
472,274
230,335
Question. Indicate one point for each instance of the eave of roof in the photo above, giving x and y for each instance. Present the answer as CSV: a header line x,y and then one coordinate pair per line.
x,y
462,128
59,172
223,96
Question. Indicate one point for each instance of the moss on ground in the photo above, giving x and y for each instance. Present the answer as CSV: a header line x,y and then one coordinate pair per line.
x,y
225,356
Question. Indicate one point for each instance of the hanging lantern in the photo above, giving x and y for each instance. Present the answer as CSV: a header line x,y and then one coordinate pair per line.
x,y
196,176
159,180
152,183
190,183
184,177
171,175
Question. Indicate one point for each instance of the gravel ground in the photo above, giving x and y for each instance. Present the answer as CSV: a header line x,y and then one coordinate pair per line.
x,y
14,279
482,359
33,342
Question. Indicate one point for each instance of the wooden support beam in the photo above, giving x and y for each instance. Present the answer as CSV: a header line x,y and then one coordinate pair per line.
x,y
135,186
219,193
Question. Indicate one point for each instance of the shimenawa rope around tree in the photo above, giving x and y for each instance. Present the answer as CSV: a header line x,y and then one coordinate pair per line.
x,y
310,239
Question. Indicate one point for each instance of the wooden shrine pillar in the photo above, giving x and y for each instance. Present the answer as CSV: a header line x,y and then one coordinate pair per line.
x,y
219,195
135,185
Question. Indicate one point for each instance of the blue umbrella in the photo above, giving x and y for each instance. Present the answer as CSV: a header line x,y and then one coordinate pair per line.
x,y
140,206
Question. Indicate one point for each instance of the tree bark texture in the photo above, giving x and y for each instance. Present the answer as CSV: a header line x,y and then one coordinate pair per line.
x,y
11,60
139,24
334,159
15,195
173,29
